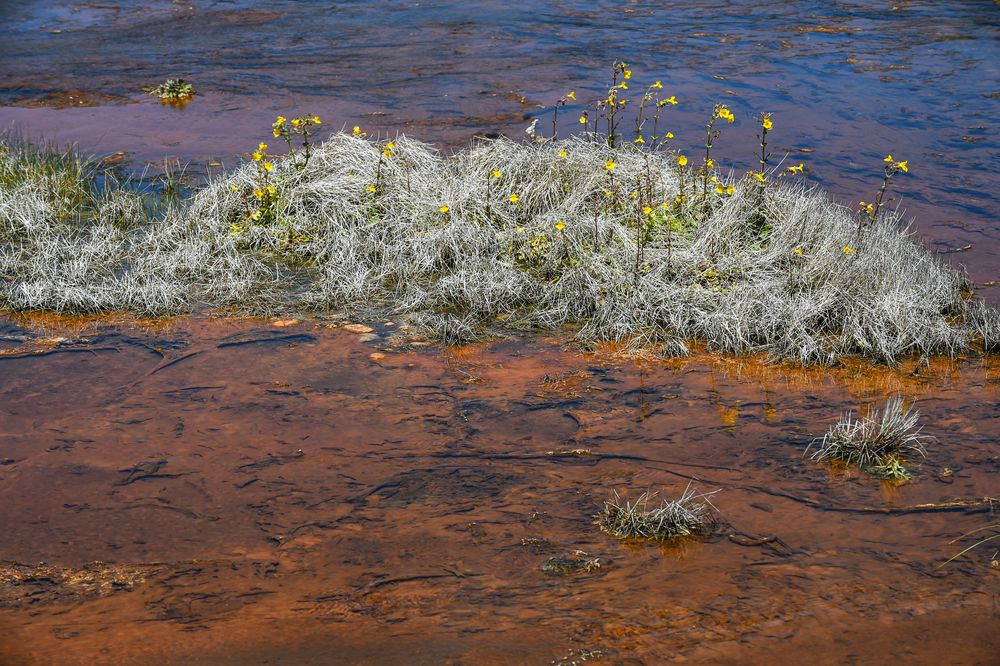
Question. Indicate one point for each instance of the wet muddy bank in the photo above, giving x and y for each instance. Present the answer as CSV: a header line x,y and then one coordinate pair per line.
x,y
255,492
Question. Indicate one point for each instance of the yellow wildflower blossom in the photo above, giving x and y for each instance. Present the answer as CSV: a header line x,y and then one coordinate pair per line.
x,y
571,95
316,120
256,215
888,158
262,146
268,166
718,189
372,189
583,120
639,139
759,175
848,249
709,164
680,198
296,122
657,85
669,135
730,189
257,156
563,153
443,208
647,210
903,166
496,173
682,160
514,198
259,194
672,100
795,169
797,251
279,122
272,190
767,124
610,165
560,225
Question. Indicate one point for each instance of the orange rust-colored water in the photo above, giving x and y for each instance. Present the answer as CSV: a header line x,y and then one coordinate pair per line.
x,y
291,500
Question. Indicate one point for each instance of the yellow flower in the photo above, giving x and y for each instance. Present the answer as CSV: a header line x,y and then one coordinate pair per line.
x,y
571,95
639,139
563,153
903,166
608,193
256,215
514,198
496,173
848,249
279,122
633,195
268,166
583,120
730,189
262,146
276,132
657,85
759,175
888,158
627,74
560,225
709,164
795,169
672,100
610,165
357,132
519,230
443,208
259,194
718,189
386,153
272,190
316,120
726,115
682,160
372,189
623,85
647,210
669,135
296,122
680,198
797,251
714,179
767,124
233,188
235,228
257,157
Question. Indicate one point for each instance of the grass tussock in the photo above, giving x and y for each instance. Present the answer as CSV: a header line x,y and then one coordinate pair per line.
x,y
878,441
536,236
689,515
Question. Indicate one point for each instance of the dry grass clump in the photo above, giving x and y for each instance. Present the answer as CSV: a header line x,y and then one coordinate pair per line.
x,y
877,442
537,236
688,515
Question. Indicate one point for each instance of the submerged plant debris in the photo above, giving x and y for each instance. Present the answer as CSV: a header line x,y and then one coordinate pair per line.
x,y
523,236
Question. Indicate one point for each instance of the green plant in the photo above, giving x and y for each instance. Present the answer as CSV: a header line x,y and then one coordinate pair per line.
x,y
172,90
871,210
304,127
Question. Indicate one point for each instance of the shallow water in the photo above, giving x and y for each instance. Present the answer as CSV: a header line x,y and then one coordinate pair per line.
x,y
847,81
278,495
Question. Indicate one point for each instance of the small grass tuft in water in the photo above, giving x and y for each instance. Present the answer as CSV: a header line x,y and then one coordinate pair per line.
x,y
688,515
172,90
877,442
